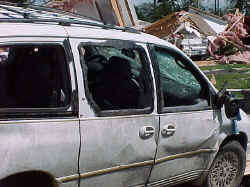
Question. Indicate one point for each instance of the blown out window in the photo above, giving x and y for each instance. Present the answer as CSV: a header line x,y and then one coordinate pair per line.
x,y
182,85
117,77
33,77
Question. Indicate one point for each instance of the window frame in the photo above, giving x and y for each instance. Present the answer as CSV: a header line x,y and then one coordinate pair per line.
x,y
27,113
200,78
122,112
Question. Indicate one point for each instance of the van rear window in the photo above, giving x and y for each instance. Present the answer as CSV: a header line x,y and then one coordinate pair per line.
x,y
33,76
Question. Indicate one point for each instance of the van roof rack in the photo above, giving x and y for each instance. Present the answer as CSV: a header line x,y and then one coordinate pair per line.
x,y
65,22
26,13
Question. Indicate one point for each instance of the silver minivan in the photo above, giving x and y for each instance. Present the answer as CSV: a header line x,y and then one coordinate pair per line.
x,y
83,104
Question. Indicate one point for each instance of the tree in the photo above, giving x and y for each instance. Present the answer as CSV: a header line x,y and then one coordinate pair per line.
x,y
163,9
147,12
181,4
15,1
240,5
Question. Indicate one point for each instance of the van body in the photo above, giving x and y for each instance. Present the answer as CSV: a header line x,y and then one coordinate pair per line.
x,y
90,105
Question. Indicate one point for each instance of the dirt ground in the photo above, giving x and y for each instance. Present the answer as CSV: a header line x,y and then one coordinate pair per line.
x,y
206,63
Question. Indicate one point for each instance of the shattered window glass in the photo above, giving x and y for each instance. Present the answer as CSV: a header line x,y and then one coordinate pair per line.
x,y
179,85
117,76
131,55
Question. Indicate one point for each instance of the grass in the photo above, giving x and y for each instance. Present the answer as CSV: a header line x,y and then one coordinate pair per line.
x,y
235,80
226,67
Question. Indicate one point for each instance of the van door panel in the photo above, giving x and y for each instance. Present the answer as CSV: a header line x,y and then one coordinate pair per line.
x,y
188,130
189,148
112,152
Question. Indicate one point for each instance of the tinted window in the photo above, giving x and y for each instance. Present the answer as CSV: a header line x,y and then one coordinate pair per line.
x,y
33,77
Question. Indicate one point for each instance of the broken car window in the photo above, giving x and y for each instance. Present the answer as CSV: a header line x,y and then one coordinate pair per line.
x,y
117,78
180,86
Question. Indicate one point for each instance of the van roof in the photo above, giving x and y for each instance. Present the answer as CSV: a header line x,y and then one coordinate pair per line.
x,y
74,31
35,21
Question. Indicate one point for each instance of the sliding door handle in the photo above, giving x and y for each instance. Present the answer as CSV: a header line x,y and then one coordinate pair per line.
x,y
168,130
146,132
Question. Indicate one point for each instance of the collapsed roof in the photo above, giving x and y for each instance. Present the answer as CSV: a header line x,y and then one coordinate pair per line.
x,y
206,24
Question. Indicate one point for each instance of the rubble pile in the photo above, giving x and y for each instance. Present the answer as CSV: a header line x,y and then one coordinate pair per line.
x,y
232,45
188,30
207,36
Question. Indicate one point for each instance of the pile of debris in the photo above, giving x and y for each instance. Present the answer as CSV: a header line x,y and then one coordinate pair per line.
x,y
232,45
201,35
188,30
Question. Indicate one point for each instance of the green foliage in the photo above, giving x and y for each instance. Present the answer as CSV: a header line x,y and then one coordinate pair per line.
x,y
163,10
239,4
182,4
147,12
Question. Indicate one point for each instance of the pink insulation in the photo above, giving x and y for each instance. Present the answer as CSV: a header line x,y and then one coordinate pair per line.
x,y
233,35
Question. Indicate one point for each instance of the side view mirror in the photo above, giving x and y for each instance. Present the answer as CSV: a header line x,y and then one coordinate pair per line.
x,y
231,107
231,104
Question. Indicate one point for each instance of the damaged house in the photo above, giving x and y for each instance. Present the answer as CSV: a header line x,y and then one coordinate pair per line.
x,y
188,30
191,34
200,34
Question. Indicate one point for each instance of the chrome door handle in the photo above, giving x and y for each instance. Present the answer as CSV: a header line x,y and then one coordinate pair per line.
x,y
146,132
168,130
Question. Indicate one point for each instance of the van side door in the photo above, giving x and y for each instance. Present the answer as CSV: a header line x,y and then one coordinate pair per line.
x,y
118,124
188,132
